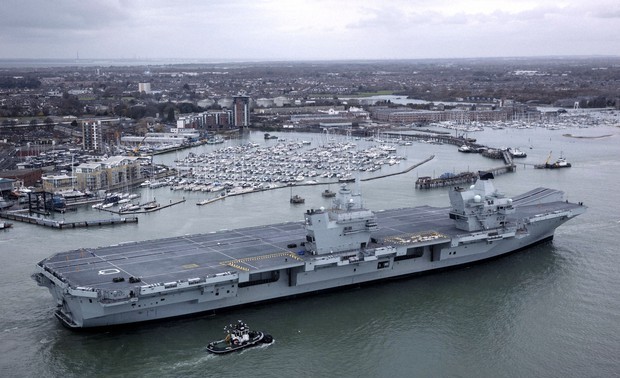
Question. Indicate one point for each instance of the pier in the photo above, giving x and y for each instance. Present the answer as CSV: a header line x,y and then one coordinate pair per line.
x,y
62,224
471,177
435,137
145,211
427,182
400,172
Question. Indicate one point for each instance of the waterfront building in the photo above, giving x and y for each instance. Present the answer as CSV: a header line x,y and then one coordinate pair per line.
x,y
298,110
209,120
114,173
91,137
176,136
331,117
6,185
58,183
406,115
23,176
91,176
241,111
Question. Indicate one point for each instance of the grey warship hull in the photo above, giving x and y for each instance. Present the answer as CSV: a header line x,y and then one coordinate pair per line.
x,y
157,279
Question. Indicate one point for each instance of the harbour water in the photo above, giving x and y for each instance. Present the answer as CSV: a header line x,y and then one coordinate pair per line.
x,y
550,311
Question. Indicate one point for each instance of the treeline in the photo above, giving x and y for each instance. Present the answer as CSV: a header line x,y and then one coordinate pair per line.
x,y
163,110
19,82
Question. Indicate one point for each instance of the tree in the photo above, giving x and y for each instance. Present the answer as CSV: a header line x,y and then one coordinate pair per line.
x,y
49,124
171,117
137,112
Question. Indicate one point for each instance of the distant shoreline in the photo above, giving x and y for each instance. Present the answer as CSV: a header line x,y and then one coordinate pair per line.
x,y
587,137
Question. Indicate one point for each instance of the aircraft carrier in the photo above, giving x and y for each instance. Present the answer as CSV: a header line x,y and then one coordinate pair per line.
x,y
344,245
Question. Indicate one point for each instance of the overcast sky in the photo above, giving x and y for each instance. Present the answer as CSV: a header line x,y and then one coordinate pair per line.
x,y
307,30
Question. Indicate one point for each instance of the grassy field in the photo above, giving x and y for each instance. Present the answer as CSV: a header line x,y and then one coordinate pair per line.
x,y
378,93
360,94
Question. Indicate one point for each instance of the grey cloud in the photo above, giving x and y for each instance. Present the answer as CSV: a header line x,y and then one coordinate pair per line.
x,y
60,15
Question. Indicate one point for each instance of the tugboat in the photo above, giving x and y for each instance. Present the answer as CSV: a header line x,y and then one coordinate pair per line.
x,y
328,194
560,163
267,136
238,337
296,199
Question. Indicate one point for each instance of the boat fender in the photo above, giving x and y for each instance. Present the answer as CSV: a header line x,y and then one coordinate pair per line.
x,y
267,339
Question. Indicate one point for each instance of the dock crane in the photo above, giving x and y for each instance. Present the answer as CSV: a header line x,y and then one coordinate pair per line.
x,y
136,150
548,158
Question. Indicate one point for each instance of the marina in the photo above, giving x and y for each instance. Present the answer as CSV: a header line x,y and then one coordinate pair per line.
x,y
493,306
316,178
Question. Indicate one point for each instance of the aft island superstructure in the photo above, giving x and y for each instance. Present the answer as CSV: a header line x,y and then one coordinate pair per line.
x,y
344,245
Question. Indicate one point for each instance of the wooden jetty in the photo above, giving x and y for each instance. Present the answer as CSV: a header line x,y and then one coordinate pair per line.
x,y
436,137
427,182
62,224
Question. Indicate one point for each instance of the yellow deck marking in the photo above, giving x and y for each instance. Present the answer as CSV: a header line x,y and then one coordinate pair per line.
x,y
414,237
236,263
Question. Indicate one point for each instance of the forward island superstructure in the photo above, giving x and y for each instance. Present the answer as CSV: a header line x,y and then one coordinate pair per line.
x,y
332,248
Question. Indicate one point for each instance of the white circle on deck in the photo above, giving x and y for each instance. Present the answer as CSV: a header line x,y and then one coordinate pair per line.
x,y
109,271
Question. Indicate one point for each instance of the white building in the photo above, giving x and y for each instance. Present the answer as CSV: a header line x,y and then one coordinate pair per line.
x,y
114,173
144,87
92,140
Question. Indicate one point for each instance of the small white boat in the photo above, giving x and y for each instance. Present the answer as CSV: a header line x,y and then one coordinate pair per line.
x,y
150,205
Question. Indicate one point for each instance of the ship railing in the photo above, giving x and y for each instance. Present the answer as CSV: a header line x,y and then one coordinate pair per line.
x,y
181,284
549,215
115,295
354,231
82,291
384,251
52,276
345,217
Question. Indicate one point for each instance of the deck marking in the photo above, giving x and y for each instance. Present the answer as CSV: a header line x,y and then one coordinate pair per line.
x,y
235,263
